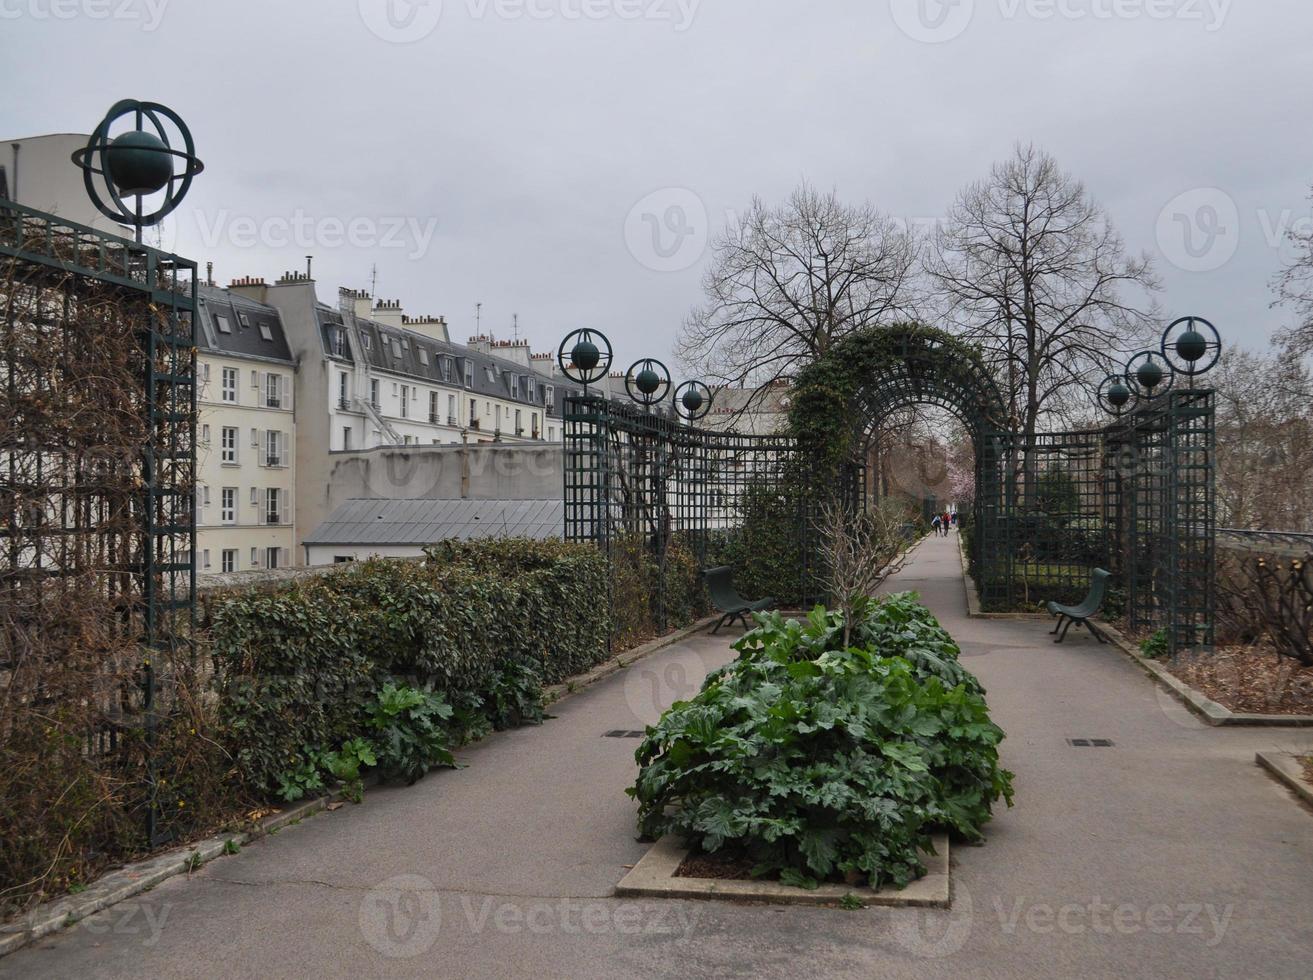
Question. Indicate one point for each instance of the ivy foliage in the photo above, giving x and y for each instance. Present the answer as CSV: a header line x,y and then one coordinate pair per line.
x,y
828,413
820,763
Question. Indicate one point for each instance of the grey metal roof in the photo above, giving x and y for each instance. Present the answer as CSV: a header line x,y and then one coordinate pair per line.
x,y
254,329
423,522
397,350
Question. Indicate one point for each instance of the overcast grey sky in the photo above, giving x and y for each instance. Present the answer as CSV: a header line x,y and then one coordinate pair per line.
x,y
565,159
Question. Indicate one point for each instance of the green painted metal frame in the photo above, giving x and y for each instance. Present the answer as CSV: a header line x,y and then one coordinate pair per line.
x,y
163,288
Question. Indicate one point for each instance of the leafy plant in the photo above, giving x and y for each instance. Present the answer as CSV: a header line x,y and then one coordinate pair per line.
x,y
516,698
818,762
303,778
410,735
1156,646
347,763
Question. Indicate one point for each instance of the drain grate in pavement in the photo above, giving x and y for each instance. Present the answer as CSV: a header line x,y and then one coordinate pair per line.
x,y
621,733
1090,743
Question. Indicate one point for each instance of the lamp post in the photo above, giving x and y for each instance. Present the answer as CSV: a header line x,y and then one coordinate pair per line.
x,y
138,163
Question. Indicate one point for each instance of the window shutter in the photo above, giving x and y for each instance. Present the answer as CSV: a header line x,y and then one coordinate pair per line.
x,y
283,558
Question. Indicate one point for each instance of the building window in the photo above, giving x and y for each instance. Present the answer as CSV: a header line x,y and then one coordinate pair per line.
x,y
271,557
230,385
265,332
405,401
228,560
228,506
364,339
339,342
273,390
205,559
551,434
343,391
205,435
228,446
346,437
273,512
537,432
433,408
519,427
423,356
342,559
451,410
255,557
469,374
222,323
273,446
373,393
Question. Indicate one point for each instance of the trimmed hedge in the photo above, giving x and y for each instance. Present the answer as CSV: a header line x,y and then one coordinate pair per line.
x,y
300,665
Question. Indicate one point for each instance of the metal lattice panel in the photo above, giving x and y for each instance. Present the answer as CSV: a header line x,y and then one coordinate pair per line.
x,y
98,502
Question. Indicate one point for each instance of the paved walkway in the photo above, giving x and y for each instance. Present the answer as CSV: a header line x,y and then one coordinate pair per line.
x,y
1169,854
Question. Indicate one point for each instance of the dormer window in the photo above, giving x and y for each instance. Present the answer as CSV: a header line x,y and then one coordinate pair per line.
x,y
265,332
364,339
423,356
243,319
221,322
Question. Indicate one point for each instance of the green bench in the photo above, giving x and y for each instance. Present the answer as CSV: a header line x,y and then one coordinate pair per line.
x,y
1081,614
731,605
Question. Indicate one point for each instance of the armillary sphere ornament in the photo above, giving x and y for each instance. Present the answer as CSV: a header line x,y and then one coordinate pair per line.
x,y
693,401
648,382
1115,394
1149,374
1192,346
139,162
585,357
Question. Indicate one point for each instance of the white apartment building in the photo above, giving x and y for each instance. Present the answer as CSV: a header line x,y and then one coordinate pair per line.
x,y
369,376
246,436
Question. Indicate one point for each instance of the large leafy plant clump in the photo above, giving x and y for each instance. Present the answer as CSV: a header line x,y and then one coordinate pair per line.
x,y
822,763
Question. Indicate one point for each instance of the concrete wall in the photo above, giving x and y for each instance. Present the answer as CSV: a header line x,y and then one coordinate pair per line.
x,y
486,472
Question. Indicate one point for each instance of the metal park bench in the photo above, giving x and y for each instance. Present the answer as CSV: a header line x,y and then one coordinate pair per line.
x,y
731,605
1089,606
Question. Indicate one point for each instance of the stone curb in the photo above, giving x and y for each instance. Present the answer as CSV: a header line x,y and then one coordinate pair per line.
x,y
654,877
1217,715
580,683
141,876
1287,772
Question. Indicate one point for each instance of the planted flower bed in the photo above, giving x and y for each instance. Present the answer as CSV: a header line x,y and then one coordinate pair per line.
x,y
814,762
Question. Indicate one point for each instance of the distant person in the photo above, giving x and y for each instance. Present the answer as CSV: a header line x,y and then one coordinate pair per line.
x,y
935,525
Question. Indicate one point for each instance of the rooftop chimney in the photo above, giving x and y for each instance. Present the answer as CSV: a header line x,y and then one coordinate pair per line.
x,y
430,326
389,313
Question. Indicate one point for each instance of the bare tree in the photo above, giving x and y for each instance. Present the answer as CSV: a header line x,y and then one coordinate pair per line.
x,y
787,282
1264,441
1294,289
860,549
1031,269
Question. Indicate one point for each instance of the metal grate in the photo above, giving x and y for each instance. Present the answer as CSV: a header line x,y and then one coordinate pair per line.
x,y
623,733
1090,743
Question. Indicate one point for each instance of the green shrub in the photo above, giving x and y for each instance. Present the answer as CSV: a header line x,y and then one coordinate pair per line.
x,y
819,763
408,732
1156,646
299,666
